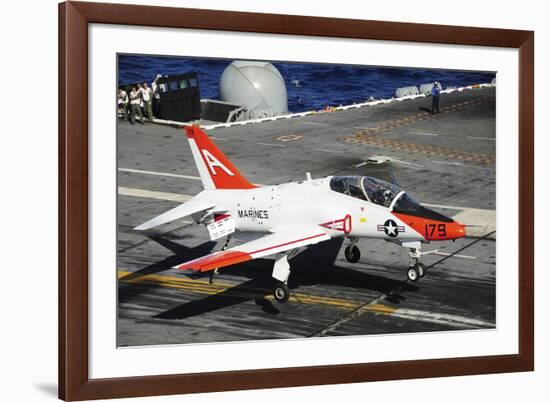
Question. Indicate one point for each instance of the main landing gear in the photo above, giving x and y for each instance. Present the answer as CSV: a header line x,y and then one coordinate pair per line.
x,y
352,252
215,272
281,292
281,271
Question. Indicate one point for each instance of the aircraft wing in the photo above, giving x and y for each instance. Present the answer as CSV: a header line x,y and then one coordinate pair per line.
x,y
189,208
270,244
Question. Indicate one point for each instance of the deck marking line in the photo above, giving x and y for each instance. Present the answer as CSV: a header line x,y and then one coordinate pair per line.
x,y
156,195
424,133
271,145
290,137
203,287
468,257
313,123
327,150
482,138
449,163
150,172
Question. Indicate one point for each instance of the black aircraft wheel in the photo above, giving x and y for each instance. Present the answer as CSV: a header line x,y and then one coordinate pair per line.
x,y
413,274
352,254
281,292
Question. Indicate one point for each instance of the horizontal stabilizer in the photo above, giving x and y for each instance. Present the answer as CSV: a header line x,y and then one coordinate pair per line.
x,y
181,211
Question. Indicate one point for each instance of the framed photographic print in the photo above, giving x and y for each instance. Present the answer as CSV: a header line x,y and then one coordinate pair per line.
x,y
260,200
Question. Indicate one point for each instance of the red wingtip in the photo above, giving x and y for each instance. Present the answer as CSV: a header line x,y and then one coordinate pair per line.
x,y
214,261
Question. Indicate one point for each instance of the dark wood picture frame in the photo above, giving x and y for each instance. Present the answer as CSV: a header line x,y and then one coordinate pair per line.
x,y
74,381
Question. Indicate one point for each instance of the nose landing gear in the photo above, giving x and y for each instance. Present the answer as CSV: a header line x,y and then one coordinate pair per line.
x,y
415,272
352,254
416,268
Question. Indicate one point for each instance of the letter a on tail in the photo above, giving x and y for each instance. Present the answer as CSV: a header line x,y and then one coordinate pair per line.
x,y
215,169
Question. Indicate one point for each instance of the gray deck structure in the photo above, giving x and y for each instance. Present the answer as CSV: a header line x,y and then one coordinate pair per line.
x,y
445,160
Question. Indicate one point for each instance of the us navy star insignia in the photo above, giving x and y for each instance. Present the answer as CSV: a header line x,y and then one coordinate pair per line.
x,y
390,228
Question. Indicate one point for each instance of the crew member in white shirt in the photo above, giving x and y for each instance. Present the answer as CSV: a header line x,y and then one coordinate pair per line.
x,y
147,96
135,101
122,101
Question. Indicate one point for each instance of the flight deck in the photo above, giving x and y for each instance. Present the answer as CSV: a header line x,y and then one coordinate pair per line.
x,y
445,161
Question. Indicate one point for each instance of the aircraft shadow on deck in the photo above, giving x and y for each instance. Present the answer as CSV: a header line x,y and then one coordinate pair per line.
x,y
181,254
315,265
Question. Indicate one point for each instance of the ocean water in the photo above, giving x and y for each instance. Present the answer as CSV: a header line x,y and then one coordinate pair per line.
x,y
309,86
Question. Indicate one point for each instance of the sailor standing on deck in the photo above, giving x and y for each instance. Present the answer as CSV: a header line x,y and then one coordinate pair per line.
x,y
436,89
156,96
147,96
122,101
135,101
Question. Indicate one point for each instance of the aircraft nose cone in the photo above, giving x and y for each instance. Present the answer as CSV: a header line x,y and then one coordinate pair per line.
x,y
456,230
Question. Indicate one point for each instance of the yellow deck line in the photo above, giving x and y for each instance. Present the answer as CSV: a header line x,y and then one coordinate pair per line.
x,y
374,307
203,287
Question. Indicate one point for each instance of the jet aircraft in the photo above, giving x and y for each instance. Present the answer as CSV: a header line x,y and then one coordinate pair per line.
x,y
291,216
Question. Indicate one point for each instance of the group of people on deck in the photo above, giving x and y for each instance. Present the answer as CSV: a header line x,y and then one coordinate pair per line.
x,y
137,102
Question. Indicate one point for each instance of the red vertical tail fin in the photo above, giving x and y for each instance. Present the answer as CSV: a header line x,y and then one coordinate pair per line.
x,y
215,169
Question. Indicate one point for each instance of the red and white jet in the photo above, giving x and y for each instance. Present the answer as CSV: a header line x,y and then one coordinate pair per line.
x,y
295,215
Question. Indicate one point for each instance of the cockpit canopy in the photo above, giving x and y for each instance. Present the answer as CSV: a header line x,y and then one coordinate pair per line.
x,y
366,188
383,193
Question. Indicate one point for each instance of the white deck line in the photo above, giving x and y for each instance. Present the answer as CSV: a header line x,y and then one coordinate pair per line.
x,y
482,138
156,195
468,257
424,133
149,172
271,145
452,320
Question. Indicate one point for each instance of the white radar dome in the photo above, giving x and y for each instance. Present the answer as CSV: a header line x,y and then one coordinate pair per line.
x,y
257,85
